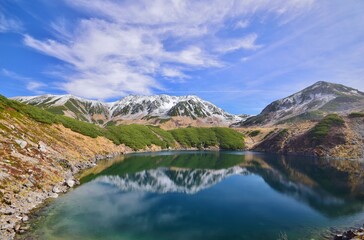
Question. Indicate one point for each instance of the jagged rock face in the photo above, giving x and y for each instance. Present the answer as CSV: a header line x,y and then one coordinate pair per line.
x,y
132,108
311,103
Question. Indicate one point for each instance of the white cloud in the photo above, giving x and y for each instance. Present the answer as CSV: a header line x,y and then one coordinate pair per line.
x,y
231,45
241,24
122,48
35,87
31,84
9,25
14,75
173,73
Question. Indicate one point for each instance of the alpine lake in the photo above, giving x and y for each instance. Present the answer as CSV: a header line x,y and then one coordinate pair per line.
x,y
207,195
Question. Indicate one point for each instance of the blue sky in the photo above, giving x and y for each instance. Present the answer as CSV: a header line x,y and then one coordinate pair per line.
x,y
240,55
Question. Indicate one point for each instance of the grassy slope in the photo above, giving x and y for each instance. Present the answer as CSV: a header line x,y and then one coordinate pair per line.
x,y
204,137
134,136
321,130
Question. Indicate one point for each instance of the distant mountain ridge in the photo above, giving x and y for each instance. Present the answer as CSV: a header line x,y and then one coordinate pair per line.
x,y
133,107
312,102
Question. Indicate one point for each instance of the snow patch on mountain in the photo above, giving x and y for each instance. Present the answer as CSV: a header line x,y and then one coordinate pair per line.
x,y
135,107
319,99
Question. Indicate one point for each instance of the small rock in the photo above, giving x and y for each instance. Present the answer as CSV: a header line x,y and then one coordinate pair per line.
x,y
56,189
350,234
7,201
70,183
53,195
25,218
21,143
17,227
42,146
338,237
25,228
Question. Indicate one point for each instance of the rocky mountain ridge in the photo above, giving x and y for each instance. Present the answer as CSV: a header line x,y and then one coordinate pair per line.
x,y
312,103
157,107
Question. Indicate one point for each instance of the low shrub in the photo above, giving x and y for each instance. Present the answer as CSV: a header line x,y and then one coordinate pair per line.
x,y
322,129
356,115
254,133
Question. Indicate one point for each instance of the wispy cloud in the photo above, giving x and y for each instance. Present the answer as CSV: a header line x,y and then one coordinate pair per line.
x,y
8,24
128,46
31,84
14,75
231,45
241,24
35,87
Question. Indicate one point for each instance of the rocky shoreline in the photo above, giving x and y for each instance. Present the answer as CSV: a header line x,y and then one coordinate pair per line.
x,y
353,234
15,216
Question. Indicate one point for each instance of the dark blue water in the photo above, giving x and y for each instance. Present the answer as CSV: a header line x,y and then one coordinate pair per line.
x,y
208,195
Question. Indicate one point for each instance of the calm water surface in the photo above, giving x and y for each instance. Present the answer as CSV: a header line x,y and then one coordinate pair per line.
x,y
207,195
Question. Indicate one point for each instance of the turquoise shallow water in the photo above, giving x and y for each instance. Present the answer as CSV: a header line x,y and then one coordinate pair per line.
x,y
207,195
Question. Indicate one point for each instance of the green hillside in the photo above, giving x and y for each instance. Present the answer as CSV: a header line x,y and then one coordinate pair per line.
x,y
135,136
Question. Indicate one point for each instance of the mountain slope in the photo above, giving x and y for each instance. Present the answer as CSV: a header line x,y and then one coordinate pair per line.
x,y
160,107
75,107
313,102
333,136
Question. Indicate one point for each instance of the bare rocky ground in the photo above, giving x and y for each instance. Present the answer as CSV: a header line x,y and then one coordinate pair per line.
x,y
355,234
345,142
39,161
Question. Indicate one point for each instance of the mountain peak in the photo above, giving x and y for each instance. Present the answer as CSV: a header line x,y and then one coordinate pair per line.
x,y
313,102
133,107
334,87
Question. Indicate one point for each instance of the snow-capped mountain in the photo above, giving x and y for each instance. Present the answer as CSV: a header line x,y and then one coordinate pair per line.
x,y
164,180
133,108
69,105
312,102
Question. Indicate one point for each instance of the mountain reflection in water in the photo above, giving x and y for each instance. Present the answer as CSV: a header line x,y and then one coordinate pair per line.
x,y
207,195
333,187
